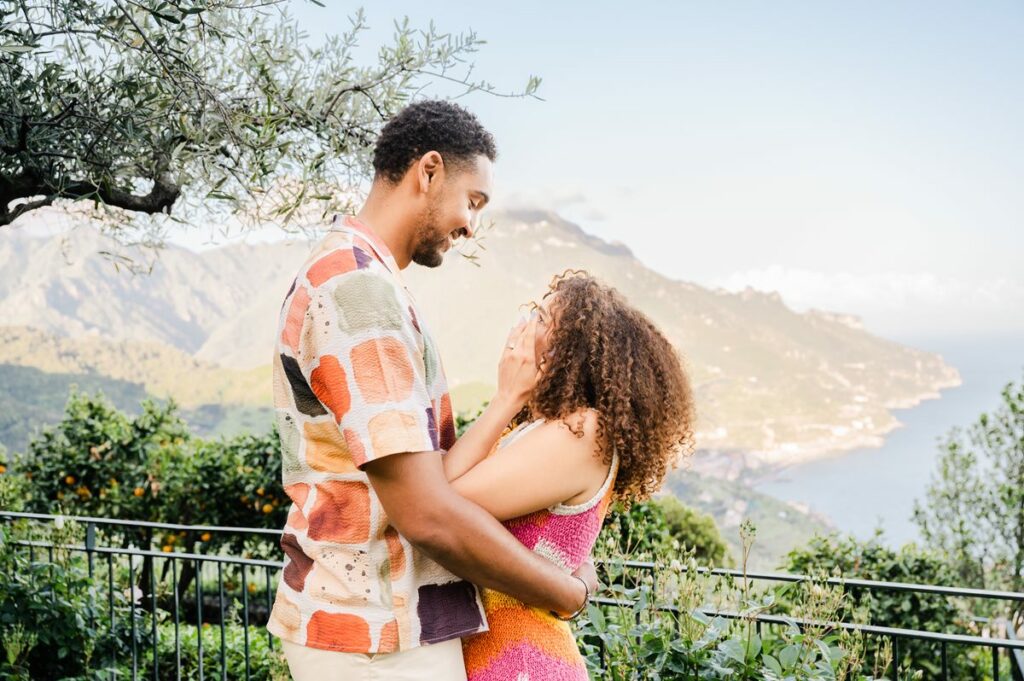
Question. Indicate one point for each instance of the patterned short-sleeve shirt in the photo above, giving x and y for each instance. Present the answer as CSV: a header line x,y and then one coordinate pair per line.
x,y
357,378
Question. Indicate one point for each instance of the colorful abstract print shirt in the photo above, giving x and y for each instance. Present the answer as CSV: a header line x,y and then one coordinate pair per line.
x,y
357,378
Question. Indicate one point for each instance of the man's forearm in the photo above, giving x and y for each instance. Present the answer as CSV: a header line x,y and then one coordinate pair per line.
x,y
473,545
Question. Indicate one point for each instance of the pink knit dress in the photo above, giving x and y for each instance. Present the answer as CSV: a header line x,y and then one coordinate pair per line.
x,y
526,643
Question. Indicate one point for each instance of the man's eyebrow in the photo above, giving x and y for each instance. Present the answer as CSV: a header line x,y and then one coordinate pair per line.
x,y
483,194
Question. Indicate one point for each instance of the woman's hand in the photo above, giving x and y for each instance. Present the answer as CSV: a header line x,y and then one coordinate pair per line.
x,y
517,370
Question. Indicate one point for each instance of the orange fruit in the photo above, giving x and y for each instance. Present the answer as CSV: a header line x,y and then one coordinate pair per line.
x,y
70,479
139,491
252,588
205,536
267,508
3,469
259,491
167,549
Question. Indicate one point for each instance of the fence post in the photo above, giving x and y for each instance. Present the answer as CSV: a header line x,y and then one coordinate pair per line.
x,y
90,545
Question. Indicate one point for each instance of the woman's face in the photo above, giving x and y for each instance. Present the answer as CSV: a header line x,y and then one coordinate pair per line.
x,y
544,314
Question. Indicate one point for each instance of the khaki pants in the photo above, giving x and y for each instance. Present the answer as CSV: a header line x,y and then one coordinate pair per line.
x,y
438,662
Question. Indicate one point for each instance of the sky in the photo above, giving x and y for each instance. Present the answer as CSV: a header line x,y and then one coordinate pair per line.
x,y
861,157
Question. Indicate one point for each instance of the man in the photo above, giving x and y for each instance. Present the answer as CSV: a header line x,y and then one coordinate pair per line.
x,y
376,536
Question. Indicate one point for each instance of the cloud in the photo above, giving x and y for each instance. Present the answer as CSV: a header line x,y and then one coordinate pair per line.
x,y
558,199
898,304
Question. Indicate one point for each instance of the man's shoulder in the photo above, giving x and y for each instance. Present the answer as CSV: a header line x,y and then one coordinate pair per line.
x,y
339,257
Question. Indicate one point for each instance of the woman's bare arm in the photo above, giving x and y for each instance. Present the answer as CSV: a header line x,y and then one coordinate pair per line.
x,y
474,446
547,466
517,375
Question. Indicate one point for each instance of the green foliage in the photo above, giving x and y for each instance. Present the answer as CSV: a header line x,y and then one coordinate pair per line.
x,y
851,558
142,104
232,483
973,511
672,623
264,664
55,621
99,461
664,528
53,624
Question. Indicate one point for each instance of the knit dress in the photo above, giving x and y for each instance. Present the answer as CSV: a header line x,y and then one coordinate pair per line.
x,y
526,643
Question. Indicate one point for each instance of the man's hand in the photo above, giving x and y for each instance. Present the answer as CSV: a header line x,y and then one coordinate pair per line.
x,y
588,573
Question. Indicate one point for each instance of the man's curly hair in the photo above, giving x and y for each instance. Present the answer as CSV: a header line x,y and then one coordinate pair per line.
x,y
430,125
606,355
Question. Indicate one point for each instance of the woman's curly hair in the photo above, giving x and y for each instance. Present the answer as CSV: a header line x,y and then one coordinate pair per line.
x,y
606,355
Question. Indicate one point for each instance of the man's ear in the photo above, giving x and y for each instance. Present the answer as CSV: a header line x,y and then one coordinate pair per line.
x,y
430,169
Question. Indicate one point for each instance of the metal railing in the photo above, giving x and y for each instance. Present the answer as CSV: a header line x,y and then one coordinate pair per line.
x,y
1011,645
190,601
1017,655
182,591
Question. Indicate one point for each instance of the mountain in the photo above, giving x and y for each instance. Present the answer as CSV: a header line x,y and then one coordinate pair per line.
x,y
773,385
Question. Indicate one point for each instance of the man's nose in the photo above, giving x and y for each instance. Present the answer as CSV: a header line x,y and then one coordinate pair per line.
x,y
470,228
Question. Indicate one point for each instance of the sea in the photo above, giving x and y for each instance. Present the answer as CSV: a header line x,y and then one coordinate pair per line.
x,y
865,489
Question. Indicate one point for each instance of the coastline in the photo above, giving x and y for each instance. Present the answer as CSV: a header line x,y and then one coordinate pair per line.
x,y
752,466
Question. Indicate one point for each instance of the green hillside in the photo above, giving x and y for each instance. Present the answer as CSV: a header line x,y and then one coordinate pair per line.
x,y
163,371
780,527
31,398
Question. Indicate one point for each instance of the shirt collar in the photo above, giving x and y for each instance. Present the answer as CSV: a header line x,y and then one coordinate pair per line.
x,y
380,248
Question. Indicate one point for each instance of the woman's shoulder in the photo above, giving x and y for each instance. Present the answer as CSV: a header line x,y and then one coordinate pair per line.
x,y
574,435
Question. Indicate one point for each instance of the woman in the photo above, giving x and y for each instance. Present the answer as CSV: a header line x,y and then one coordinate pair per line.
x,y
600,408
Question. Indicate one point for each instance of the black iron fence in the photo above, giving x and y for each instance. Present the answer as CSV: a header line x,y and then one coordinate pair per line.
x,y
222,594
1001,640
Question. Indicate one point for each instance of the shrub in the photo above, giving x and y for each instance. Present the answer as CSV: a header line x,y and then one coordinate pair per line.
x,y
664,528
264,663
846,556
52,625
681,622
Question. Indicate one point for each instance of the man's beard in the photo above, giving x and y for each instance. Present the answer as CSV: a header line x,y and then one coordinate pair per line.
x,y
429,248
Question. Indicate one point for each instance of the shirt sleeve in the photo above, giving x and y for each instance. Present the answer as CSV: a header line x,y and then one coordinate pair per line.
x,y
361,356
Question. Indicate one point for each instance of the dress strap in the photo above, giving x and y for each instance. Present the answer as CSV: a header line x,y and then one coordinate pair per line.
x,y
572,509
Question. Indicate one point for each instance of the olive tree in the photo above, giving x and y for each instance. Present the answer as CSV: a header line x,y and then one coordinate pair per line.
x,y
144,107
